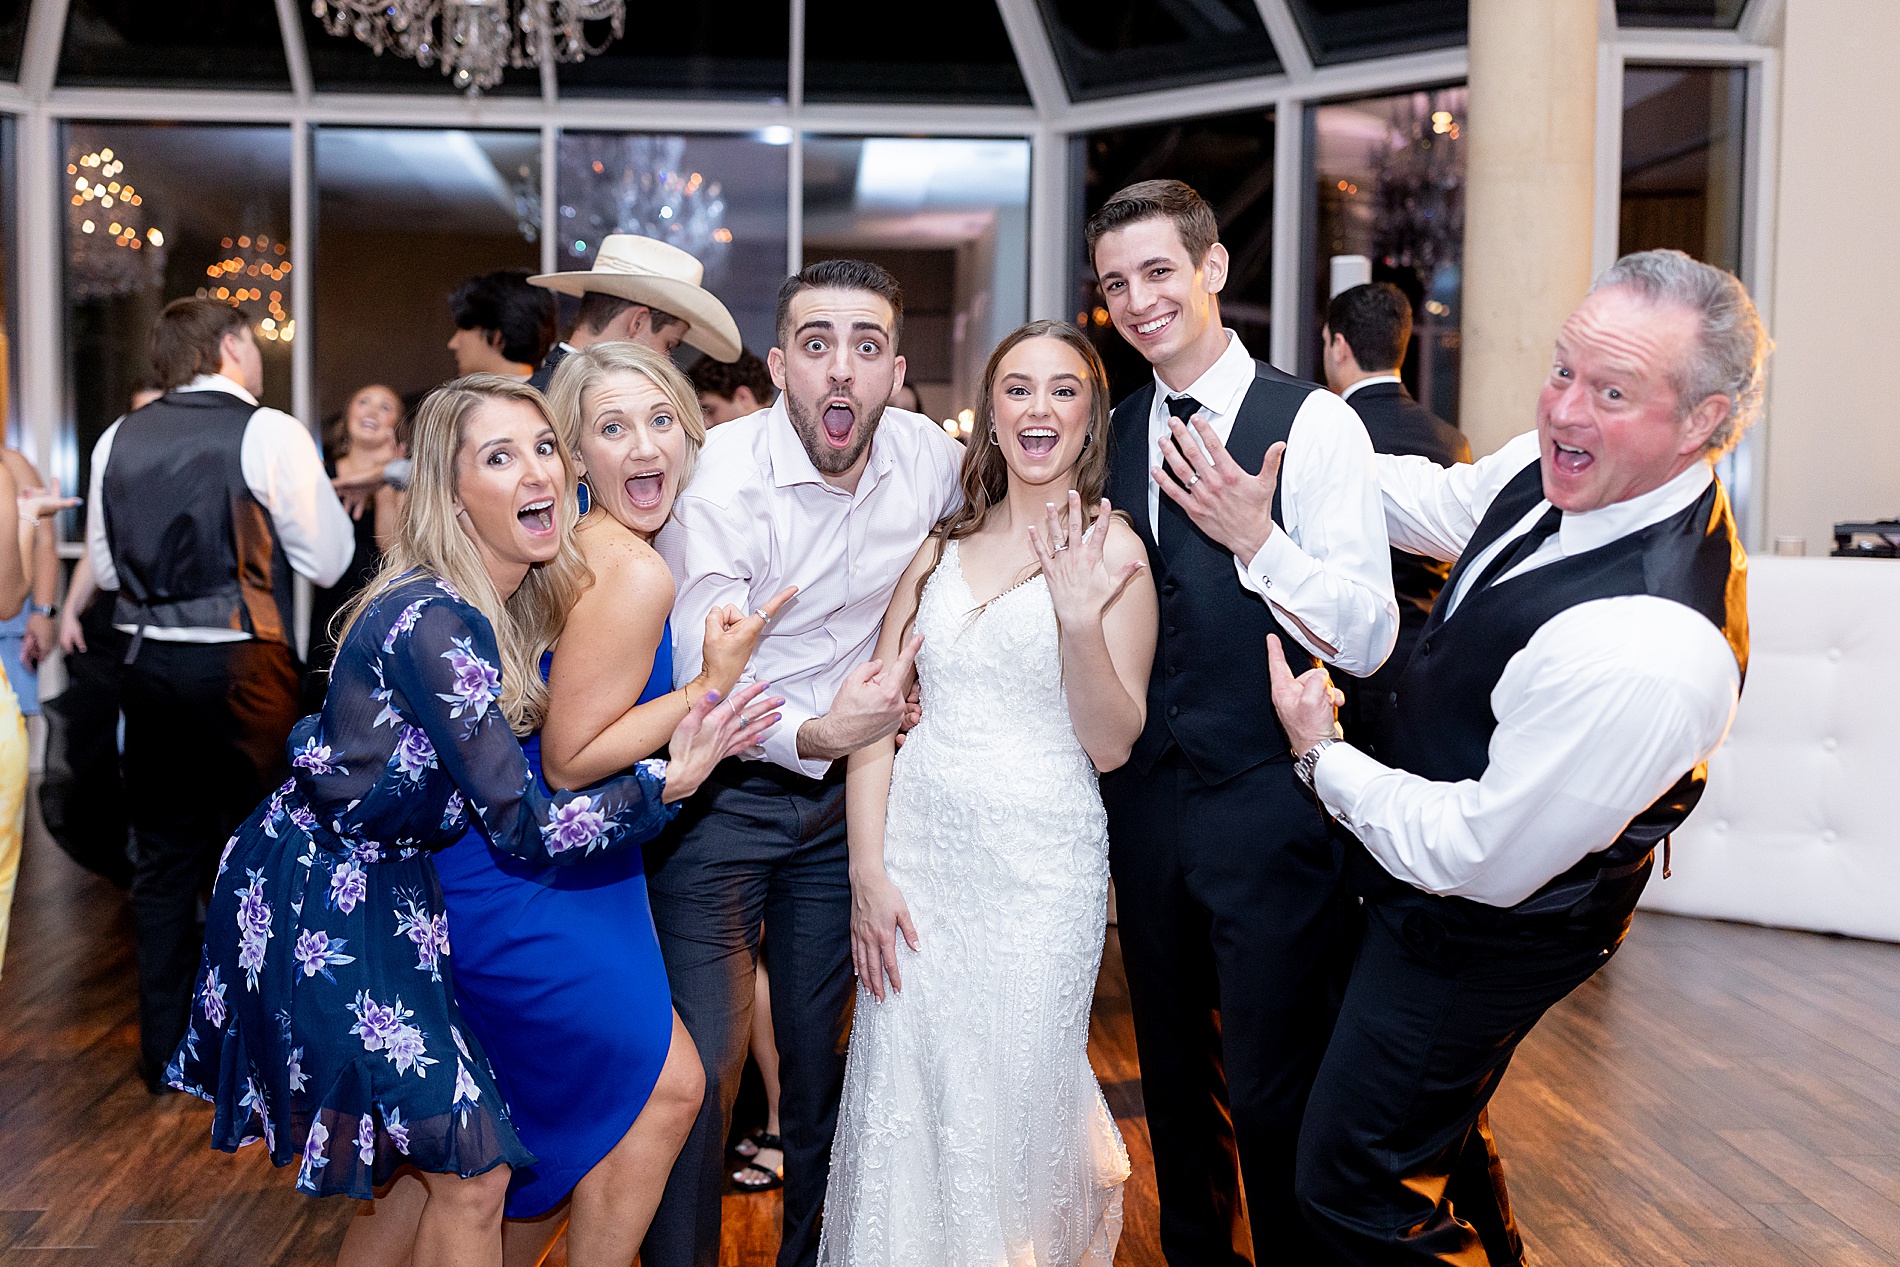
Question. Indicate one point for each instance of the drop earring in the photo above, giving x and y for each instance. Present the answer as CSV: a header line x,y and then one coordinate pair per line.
x,y
583,496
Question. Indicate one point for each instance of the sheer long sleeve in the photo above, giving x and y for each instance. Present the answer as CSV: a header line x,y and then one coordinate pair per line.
x,y
442,663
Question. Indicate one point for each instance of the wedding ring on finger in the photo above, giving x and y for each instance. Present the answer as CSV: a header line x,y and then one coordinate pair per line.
x,y
1194,479
1059,549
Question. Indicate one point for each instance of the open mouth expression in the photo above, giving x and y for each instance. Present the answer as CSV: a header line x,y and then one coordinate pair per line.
x,y
537,517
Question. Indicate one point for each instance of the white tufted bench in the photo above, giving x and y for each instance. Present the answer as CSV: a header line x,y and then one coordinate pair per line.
x,y
1800,826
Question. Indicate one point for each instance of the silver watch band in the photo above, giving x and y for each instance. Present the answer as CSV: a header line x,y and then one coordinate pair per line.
x,y
1309,760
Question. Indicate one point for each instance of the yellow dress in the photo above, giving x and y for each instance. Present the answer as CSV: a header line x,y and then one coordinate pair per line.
x,y
12,801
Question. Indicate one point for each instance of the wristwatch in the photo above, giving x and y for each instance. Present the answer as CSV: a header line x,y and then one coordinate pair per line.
x,y
1309,759
41,609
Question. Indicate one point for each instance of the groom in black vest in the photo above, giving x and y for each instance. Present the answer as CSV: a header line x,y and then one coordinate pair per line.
x,y
1578,669
1257,498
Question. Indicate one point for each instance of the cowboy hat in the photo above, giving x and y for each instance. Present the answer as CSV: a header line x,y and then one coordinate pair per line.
x,y
648,271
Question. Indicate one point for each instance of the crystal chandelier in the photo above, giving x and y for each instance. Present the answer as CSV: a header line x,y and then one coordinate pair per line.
x,y
476,40
112,249
637,184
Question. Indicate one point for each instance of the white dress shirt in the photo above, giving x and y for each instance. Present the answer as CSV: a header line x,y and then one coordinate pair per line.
x,y
1367,382
283,470
1606,706
758,517
1330,568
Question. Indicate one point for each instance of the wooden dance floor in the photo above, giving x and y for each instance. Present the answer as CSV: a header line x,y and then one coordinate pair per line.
x,y
1720,1095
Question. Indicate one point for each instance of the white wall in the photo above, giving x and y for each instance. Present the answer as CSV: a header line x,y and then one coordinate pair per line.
x,y
1834,431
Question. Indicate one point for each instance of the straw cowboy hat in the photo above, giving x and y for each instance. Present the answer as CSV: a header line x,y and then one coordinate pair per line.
x,y
650,272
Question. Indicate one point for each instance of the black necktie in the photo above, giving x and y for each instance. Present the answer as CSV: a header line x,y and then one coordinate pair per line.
x,y
1179,527
1526,546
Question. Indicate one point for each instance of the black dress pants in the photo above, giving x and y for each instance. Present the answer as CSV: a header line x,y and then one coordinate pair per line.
x,y
758,845
205,731
1396,1162
1229,902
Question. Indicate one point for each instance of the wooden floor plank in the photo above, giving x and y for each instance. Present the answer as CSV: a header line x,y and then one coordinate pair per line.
x,y
1719,1096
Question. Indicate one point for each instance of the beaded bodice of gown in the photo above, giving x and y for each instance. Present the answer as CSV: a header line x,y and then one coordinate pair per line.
x,y
972,1129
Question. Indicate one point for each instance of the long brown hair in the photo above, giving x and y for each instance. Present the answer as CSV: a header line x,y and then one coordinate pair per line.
x,y
431,539
985,476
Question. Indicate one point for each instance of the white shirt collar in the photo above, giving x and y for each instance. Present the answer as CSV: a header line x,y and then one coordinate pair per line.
x,y
218,383
1367,382
1222,387
1589,529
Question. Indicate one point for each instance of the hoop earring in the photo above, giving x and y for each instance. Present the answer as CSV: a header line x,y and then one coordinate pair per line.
x,y
584,496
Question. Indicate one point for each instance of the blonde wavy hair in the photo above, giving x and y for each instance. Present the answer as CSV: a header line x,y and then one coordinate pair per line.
x,y
431,539
583,371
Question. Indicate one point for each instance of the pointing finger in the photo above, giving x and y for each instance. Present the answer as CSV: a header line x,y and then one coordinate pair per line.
x,y
769,608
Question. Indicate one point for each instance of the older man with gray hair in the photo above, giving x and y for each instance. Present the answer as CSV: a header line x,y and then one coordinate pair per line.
x,y
1550,730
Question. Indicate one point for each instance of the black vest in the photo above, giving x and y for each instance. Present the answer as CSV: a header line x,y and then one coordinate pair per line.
x,y
1440,722
192,546
1208,691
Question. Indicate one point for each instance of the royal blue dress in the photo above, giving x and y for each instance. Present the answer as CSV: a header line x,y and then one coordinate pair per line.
x,y
558,971
325,1022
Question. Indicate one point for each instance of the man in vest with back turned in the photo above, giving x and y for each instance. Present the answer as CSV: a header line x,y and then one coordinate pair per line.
x,y
1551,728
202,504
1258,500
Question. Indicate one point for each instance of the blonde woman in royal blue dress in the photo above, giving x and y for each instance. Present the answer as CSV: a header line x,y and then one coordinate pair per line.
x,y
972,1130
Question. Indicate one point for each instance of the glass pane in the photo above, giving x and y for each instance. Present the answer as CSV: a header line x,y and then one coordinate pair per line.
x,y
738,48
1110,47
1342,30
403,217
957,50
1229,159
154,212
12,37
722,199
950,219
343,63
1390,186
187,44
1682,161
1704,14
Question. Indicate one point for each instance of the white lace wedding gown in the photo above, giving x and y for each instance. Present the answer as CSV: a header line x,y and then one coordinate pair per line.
x,y
972,1131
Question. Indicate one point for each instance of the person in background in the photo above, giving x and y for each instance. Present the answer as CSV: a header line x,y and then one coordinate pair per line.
x,y
16,583
362,442
29,636
211,686
640,290
502,324
728,391
908,397
82,791
1364,338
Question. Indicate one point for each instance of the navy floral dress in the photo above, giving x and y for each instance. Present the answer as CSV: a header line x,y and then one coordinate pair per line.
x,y
324,1021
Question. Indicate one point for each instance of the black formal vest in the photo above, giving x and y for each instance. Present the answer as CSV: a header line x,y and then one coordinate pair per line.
x,y
193,547
1208,692
1439,722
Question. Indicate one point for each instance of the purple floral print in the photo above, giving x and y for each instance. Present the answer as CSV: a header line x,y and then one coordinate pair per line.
x,y
385,1028
466,1092
349,884
477,682
403,623
318,952
452,812
316,758
211,999
294,1075
397,1130
414,753
429,935
575,825
254,931
366,1139
313,1155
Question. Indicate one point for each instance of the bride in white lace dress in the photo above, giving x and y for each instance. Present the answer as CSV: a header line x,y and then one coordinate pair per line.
x,y
972,1131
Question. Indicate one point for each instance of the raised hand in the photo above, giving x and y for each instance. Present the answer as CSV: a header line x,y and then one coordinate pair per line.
x,y
878,914
1081,586
732,637
868,707
1229,505
38,503
712,730
1308,704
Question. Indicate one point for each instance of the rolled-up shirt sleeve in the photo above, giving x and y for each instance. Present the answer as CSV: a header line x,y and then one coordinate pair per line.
x,y
98,544
285,472
1607,705
1330,569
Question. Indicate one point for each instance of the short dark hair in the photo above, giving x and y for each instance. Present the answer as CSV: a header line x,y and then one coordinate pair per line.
x,y
716,378
598,309
840,275
1155,200
1376,321
503,301
188,339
